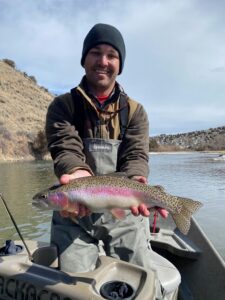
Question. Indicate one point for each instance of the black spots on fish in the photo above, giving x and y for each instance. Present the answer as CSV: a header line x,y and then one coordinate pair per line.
x,y
192,205
159,187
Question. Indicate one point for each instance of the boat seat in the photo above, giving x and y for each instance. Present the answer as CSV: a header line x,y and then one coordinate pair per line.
x,y
168,275
174,242
46,256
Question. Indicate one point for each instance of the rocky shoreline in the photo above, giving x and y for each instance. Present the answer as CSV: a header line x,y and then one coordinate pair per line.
x,y
212,139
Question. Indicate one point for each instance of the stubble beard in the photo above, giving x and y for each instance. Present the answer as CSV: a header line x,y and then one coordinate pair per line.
x,y
104,84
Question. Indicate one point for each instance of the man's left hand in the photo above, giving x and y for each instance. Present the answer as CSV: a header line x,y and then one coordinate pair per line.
x,y
142,208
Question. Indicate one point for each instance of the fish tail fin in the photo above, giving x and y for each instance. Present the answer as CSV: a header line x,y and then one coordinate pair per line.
x,y
182,218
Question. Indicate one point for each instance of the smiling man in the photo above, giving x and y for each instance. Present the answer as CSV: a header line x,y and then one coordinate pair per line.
x,y
102,65
97,129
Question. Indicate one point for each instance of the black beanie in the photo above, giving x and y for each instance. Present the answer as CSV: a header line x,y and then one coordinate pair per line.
x,y
104,34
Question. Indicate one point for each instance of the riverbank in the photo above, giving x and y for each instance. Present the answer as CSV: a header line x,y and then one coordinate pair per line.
x,y
47,157
219,152
27,158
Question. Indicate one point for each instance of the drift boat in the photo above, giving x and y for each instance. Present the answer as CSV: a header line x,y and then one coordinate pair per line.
x,y
188,267
201,267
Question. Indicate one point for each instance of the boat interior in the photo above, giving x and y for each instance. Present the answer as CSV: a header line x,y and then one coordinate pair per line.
x,y
183,264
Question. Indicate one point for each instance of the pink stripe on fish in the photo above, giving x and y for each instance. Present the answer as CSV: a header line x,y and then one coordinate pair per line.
x,y
112,191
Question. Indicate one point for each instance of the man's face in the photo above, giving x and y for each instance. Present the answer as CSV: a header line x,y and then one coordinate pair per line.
x,y
102,65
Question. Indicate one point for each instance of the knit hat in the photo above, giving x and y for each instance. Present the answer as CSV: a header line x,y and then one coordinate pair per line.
x,y
104,34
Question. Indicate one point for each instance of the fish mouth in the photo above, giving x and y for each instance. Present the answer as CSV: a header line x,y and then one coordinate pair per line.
x,y
41,205
35,202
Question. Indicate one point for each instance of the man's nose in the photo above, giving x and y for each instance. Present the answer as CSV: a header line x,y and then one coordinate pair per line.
x,y
103,59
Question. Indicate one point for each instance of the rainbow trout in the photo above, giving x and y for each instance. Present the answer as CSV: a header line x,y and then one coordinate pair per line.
x,y
101,193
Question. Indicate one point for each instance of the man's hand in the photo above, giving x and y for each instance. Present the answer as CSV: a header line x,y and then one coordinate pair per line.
x,y
66,178
142,208
79,209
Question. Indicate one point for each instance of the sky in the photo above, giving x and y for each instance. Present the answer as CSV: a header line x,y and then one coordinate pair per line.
x,y
175,52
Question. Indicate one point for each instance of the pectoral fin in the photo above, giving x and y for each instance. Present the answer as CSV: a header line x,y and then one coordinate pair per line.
x,y
118,213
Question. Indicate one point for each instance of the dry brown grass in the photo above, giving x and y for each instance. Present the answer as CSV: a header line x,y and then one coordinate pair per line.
x,y
23,106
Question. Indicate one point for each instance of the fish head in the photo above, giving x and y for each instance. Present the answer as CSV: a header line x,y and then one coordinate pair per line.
x,y
48,198
40,200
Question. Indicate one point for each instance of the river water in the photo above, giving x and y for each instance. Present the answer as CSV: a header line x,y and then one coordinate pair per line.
x,y
199,176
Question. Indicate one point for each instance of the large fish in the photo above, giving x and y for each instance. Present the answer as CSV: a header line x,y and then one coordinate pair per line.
x,y
100,193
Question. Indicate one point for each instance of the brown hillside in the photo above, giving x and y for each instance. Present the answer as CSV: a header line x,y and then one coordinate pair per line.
x,y
23,103
23,106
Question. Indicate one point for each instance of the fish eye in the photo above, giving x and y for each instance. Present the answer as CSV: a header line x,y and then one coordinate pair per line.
x,y
43,196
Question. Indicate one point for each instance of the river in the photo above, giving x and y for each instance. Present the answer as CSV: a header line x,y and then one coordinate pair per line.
x,y
199,176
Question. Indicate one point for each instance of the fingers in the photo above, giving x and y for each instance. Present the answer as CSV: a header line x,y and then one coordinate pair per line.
x,y
83,211
140,210
64,213
163,212
79,210
135,210
143,210
66,178
141,179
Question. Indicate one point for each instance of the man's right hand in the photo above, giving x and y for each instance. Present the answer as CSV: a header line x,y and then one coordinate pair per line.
x,y
79,209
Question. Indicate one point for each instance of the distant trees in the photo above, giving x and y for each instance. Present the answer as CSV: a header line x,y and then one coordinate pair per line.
x,y
217,143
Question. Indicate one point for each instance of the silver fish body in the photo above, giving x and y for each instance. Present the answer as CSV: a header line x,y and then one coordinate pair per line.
x,y
100,193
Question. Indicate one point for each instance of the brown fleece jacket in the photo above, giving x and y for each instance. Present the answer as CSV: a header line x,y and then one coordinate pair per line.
x,y
65,143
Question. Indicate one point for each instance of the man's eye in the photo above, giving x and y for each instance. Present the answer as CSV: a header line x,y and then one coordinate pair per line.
x,y
113,56
95,53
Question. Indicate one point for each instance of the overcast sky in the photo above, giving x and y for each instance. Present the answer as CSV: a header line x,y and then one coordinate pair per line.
x,y
175,63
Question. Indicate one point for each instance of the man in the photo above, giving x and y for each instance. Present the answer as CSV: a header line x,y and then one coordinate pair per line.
x,y
97,129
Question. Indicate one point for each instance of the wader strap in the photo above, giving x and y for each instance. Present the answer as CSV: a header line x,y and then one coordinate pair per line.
x,y
79,111
123,114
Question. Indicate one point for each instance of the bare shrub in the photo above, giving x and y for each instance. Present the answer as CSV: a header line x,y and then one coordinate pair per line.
x,y
5,133
3,147
153,145
33,79
44,89
9,62
38,147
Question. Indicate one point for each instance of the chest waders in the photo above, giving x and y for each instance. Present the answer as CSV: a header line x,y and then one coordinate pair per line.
x,y
72,235
102,154
127,239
